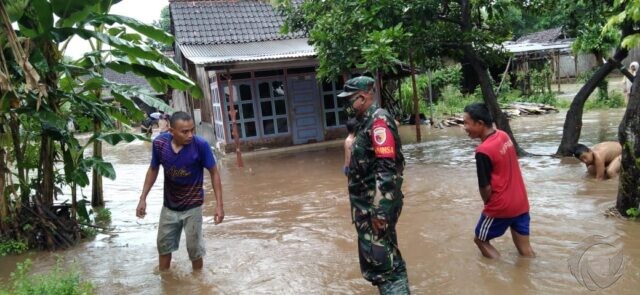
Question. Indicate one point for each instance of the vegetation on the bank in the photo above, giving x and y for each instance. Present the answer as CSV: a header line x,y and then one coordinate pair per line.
x,y
12,247
43,94
56,281
449,100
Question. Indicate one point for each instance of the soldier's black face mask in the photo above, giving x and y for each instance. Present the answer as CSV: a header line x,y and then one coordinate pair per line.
x,y
348,106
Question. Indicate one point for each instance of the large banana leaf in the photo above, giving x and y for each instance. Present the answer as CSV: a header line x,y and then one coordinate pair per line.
x,y
37,21
118,137
150,31
71,12
104,168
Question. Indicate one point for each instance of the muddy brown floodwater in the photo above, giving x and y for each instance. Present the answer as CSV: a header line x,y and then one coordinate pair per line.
x,y
288,228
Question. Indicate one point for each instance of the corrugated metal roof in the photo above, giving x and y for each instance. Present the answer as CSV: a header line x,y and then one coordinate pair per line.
x,y
546,36
563,46
245,52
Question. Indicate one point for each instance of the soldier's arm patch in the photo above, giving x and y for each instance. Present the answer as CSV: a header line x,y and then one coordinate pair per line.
x,y
384,144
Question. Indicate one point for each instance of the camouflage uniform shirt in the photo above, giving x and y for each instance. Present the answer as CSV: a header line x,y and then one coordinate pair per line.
x,y
375,181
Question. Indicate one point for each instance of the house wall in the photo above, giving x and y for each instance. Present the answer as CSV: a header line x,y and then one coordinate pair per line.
x,y
260,117
570,65
179,99
206,106
586,62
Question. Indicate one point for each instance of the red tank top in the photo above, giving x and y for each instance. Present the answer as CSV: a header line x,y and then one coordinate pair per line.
x,y
508,193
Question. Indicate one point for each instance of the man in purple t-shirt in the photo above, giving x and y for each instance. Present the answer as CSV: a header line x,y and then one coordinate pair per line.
x,y
183,157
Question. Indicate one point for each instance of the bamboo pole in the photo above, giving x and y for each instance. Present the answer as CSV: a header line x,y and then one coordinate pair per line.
x,y
416,109
431,99
504,75
234,127
4,204
558,70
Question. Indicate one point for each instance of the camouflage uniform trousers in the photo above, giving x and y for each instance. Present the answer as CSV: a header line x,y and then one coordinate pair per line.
x,y
380,260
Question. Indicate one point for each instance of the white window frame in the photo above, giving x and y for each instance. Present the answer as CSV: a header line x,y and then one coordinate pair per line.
x,y
272,99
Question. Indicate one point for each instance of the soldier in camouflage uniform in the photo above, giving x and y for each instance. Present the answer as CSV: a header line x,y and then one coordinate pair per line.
x,y
375,180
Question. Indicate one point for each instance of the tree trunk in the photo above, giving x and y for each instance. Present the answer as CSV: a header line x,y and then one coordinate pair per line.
x,y
573,121
46,174
74,201
502,122
47,147
18,151
482,72
416,107
599,58
4,204
629,137
97,197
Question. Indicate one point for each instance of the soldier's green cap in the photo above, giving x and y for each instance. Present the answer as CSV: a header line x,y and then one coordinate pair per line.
x,y
353,85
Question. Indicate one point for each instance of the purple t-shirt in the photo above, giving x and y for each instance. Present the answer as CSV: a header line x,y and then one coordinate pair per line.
x,y
183,172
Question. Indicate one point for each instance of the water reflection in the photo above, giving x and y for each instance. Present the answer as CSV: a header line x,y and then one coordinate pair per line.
x,y
288,229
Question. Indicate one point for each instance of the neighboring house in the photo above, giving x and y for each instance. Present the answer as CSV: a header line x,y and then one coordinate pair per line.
x,y
549,47
552,47
132,79
278,100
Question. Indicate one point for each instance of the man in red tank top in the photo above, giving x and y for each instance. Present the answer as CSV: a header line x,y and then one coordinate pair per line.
x,y
501,186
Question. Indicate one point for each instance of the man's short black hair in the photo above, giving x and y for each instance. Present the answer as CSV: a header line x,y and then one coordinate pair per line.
x,y
184,116
479,112
351,125
580,149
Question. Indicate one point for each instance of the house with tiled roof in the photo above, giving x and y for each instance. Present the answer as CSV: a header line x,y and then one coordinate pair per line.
x,y
132,79
237,45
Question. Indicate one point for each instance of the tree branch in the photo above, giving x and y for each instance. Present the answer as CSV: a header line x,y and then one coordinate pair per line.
x,y
450,20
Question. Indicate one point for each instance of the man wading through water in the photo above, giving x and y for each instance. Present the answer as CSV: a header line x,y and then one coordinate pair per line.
x,y
375,180
502,188
183,157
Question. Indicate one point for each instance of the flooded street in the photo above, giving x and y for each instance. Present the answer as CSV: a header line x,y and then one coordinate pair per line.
x,y
288,229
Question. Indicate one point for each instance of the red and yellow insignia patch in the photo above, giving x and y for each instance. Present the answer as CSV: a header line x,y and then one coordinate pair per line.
x,y
384,144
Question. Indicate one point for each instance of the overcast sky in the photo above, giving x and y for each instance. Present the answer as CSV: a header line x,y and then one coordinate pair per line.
x,y
145,11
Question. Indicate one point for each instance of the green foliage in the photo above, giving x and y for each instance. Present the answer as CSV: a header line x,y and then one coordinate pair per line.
x,y
83,213
453,102
603,86
583,20
439,80
12,247
513,96
380,54
88,232
442,77
73,90
541,80
165,24
58,281
102,216
633,213
626,11
615,100
377,36
591,39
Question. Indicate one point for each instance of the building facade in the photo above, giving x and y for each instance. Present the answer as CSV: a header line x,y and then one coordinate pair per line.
x,y
235,51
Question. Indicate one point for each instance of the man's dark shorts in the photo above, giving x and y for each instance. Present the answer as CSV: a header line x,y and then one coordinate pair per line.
x,y
489,227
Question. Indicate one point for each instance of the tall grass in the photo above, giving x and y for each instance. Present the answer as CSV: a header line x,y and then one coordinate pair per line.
x,y
58,281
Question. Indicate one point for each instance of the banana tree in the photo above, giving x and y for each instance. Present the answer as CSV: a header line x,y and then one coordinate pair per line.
x,y
46,89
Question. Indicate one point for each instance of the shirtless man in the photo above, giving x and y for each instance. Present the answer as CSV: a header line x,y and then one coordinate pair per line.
x,y
602,160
